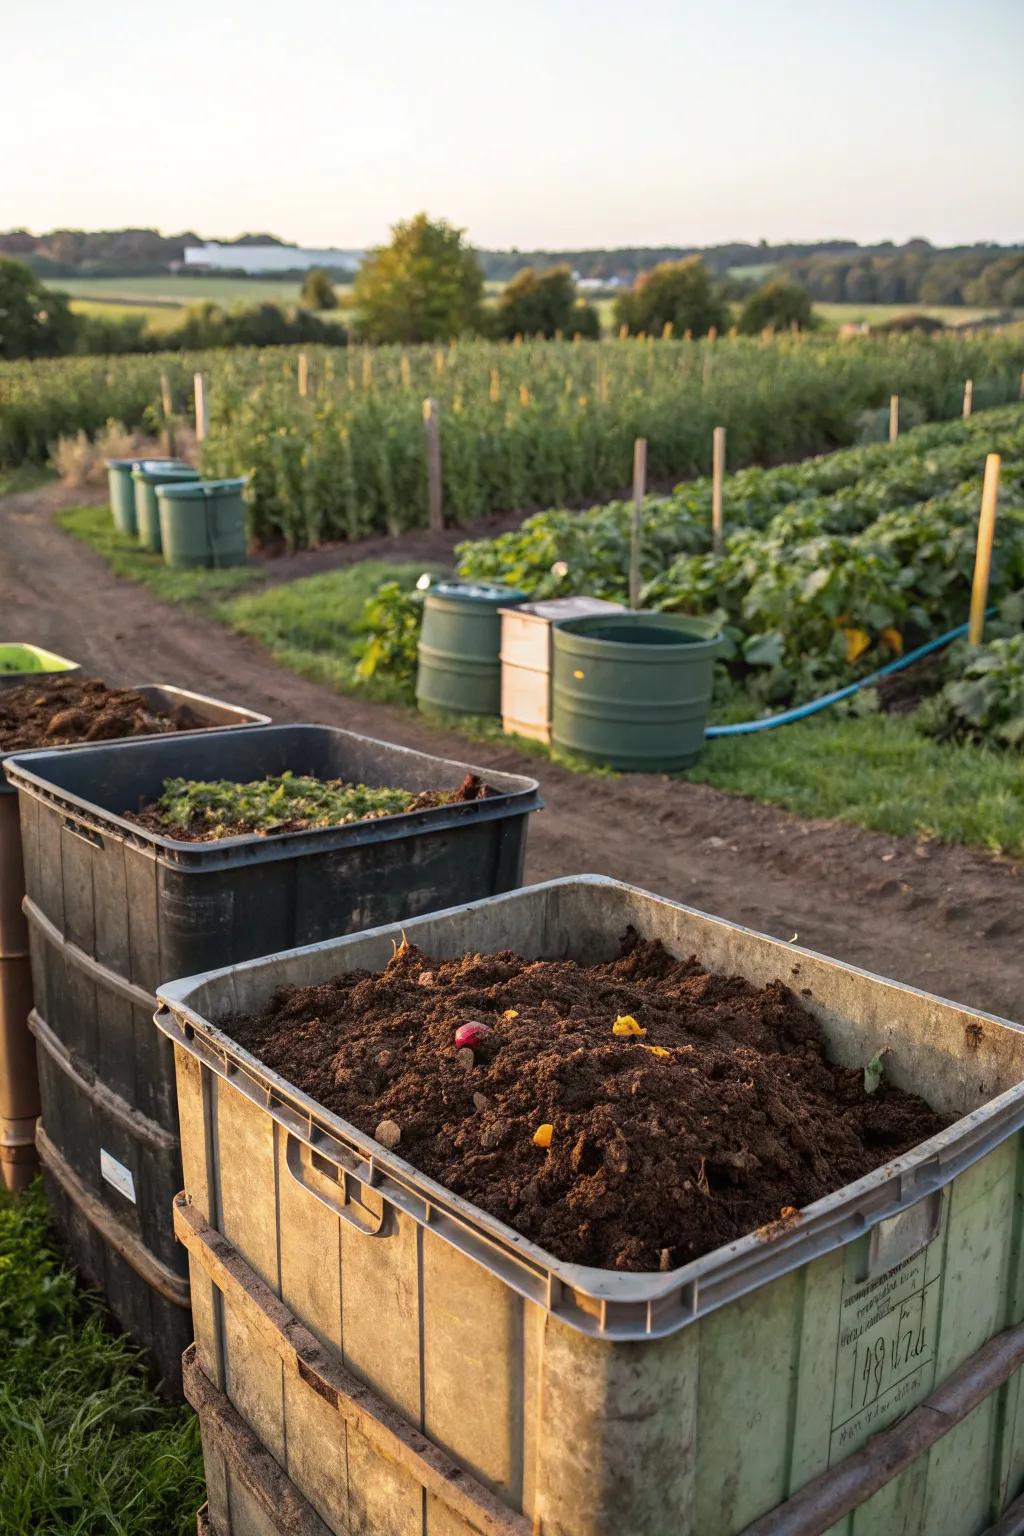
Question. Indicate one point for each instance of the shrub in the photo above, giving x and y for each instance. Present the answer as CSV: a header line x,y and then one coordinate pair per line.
x,y
537,303
676,293
34,322
317,291
777,305
984,697
81,461
391,623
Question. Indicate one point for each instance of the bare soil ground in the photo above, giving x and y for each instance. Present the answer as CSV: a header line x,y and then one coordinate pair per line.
x,y
944,918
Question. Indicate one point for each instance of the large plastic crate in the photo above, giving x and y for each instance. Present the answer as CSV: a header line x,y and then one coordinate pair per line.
x,y
19,1085
410,1362
114,909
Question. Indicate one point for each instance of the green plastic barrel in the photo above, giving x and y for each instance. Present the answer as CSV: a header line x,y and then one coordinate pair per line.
x,y
632,690
202,522
459,661
122,494
146,476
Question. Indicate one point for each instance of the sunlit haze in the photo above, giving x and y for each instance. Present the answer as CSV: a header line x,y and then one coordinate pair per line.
x,y
557,124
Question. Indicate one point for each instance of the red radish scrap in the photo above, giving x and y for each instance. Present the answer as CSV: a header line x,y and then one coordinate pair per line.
x,y
468,1035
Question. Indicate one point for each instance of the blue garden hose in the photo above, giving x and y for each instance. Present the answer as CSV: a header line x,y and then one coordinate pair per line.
x,y
802,711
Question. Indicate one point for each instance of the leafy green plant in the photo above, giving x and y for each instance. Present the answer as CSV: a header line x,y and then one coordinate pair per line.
x,y
286,802
984,699
390,625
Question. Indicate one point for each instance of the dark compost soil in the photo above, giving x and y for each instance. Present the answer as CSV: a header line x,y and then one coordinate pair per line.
x,y
53,711
197,830
656,1156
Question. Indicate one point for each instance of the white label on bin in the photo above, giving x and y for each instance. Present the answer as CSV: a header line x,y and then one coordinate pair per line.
x,y
117,1174
885,1359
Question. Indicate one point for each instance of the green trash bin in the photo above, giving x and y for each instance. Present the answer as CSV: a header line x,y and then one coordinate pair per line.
x,y
122,494
146,476
632,690
202,522
460,644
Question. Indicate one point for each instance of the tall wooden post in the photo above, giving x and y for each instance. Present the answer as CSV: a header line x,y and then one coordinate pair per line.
x,y
167,409
639,491
983,556
717,477
968,397
894,417
202,406
432,432
303,375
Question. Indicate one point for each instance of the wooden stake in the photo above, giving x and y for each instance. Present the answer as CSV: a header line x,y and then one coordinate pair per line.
x,y
202,406
167,406
432,430
983,557
303,375
968,396
894,417
717,476
639,490
1021,390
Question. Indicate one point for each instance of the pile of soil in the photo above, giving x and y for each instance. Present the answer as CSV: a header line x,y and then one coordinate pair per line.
x,y
155,819
655,1157
57,710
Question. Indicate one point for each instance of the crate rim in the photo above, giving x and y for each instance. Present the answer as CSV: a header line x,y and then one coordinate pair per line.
x,y
521,796
602,1302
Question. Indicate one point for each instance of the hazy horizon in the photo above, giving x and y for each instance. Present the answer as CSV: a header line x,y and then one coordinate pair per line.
x,y
556,126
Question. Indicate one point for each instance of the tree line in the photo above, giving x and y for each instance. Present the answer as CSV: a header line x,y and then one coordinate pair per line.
x,y
917,273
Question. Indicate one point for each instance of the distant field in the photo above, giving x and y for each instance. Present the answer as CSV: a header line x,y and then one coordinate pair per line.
x,y
875,314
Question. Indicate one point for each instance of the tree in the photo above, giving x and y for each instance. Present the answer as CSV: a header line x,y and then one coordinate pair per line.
x,y
317,292
537,303
424,286
674,292
776,304
34,322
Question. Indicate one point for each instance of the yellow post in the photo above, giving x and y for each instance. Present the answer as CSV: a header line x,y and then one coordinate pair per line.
x,y
303,375
202,406
894,417
983,557
968,396
431,427
717,477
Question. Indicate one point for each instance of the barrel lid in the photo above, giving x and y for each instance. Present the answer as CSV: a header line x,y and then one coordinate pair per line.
x,y
199,490
150,469
493,593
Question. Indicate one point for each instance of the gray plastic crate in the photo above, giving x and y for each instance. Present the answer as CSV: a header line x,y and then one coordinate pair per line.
x,y
334,1285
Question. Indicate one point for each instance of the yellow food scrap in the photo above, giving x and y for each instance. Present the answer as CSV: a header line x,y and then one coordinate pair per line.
x,y
625,1024
857,642
893,639
511,1013
542,1135
656,1050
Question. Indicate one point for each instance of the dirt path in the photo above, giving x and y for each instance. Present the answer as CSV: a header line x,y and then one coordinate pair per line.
x,y
942,918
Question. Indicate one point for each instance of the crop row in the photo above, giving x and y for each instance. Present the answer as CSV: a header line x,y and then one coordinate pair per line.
x,y
535,424
830,568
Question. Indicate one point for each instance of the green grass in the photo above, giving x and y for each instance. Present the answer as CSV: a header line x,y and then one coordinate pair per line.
x,y
157,316
174,292
311,625
877,771
24,477
877,314
93,526
86,1446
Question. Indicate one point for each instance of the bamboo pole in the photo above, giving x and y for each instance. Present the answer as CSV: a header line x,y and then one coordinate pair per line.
x,y
983,557
894,417
639,490
432,431
717,476
303,375
202,406
968,397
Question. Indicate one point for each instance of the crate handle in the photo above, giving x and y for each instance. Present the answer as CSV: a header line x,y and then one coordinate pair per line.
x,y
86,833
342,1195
903,1235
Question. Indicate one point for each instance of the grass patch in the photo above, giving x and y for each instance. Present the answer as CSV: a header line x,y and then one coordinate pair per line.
x,y
24,477
85,1444
312,625
93,526
877,771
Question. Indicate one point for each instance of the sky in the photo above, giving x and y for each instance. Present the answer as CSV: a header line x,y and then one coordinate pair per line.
x,y
561,124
